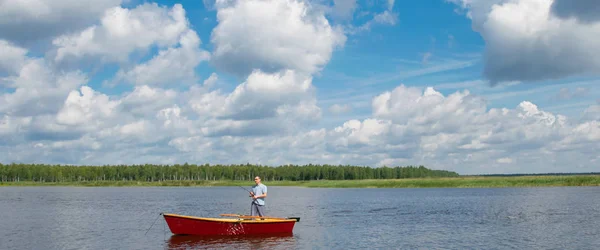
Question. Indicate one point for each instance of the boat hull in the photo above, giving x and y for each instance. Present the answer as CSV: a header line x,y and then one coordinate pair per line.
x,y
190,225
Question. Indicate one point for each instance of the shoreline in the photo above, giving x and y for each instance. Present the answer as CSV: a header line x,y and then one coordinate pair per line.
x,y
433,182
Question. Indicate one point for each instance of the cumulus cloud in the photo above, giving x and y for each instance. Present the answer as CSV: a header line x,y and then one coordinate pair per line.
x,y
211,80
122,31
52,110
456,128
10,125
413,107
12,58
413,126
277,49
263,104
271,36
172,66
42,19
307,147
408,126
38,89
145,100
85,105
262,94
525,41
145,115
174,119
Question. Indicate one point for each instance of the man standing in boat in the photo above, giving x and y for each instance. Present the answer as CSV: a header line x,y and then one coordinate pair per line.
x,y
259,193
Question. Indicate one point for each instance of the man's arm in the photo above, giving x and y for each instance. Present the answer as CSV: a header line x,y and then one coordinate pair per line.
x,y
262,195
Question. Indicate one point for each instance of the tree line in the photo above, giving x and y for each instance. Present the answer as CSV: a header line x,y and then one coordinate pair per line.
x,y
245,172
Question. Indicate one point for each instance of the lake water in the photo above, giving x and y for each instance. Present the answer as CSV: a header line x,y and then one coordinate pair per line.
x,y
480,218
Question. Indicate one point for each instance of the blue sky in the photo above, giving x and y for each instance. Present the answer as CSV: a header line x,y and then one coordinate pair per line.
x,y
452,84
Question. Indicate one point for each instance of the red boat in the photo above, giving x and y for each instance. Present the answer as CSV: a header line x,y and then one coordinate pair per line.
x,y
242,225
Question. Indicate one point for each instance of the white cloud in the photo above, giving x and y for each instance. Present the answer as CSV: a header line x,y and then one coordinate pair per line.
x,y
145,101
85,142
42,19
123,31
525,41
272,35
440,131
173,66
262,94
204,103
86,106
211,80
405,104
409,126
263,104
50,108
38,89
307,147
10,125
12,58
137,128
356,132
173,119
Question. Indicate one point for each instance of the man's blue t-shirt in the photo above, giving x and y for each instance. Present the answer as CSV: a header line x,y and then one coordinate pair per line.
x,y
259,190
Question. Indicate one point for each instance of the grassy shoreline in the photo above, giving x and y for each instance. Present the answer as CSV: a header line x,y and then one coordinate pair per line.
x,y
442,182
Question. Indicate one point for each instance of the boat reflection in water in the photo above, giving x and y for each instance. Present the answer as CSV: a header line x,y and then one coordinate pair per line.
x,y
266,241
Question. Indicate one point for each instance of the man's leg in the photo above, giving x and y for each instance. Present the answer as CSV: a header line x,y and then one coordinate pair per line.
x,y
253,209
260,210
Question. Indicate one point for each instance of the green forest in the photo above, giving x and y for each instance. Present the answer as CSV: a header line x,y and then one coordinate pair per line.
x,y
183,172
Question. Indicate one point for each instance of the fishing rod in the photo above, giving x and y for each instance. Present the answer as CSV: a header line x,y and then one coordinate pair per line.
x,y
251,193
246,189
